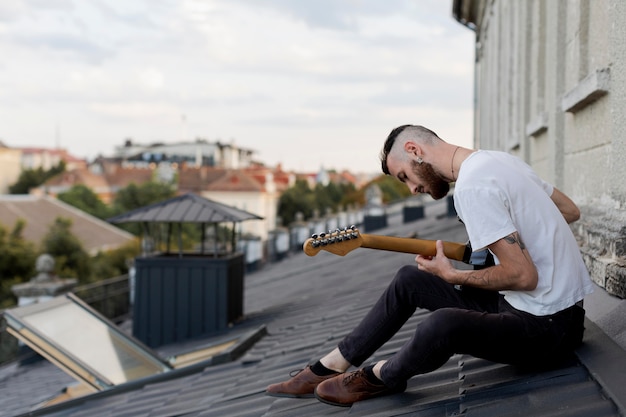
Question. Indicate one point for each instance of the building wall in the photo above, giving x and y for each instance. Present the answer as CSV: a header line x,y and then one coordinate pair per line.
x,y
10,168
550,88
263,204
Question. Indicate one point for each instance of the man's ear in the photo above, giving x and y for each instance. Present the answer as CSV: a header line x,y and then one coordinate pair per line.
x,y
412,148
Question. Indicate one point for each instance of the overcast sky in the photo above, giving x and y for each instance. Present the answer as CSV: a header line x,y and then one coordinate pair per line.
x,y
305,83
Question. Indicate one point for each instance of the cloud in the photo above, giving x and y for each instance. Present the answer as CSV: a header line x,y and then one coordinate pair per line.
x,y
67,46
278,75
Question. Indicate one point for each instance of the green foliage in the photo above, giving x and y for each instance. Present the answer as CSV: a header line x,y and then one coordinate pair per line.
x,y
31,178
302,199
72,261
18,257
114,262
391,188
83,198
136,196
296,199
17,262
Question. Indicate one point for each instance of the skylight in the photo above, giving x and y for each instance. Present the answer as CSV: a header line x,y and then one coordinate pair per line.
x,y
83,343
100,356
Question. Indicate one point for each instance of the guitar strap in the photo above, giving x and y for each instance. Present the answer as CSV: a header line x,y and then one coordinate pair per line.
x,y
481,259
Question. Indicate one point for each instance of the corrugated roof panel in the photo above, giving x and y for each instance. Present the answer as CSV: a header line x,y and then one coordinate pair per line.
x,y
172,210
193,214
186,208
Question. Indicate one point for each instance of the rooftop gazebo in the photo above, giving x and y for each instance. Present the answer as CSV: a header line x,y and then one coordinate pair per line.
x,y
183,295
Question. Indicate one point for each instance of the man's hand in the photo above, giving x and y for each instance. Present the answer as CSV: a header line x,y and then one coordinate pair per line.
x,y
515,271
438,265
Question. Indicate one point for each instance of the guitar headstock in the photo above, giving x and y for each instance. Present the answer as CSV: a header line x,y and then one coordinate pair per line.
x,y
339,242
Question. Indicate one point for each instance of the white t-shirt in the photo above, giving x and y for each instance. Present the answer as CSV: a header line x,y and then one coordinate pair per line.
x,y
497,194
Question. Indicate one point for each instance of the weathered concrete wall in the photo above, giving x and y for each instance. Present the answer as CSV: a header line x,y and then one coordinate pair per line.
x,y
551,88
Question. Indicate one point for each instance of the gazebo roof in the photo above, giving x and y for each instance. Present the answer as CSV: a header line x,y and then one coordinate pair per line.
x,y
187,208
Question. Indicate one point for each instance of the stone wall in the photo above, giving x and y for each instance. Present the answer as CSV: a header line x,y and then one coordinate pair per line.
x,y
551,88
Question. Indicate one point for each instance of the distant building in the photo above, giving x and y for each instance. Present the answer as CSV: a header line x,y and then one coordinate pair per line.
x,y
324,177
10,167
220,172
256,189
14,160
45,158
198,153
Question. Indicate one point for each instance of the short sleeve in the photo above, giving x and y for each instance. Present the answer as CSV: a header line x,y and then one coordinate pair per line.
x,y
485,213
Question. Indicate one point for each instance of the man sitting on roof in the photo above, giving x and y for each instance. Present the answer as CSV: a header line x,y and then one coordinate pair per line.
x,y
523,309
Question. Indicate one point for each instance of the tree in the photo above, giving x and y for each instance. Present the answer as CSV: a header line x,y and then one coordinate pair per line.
x,y
31,178
301,198
136,196
83,198
115,262
72,261
296,199
17,262
391,188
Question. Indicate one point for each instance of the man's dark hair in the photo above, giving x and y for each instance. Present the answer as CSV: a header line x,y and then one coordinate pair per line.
x,y
419,131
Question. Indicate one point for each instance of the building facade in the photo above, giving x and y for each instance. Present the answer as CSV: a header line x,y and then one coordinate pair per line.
x,y
197,153
550,87
10,167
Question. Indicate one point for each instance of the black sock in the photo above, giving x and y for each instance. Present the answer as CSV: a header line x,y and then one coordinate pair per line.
x,y
369,372
320,370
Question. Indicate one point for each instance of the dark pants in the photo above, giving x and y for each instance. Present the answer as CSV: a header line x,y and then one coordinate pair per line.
x,y
463,321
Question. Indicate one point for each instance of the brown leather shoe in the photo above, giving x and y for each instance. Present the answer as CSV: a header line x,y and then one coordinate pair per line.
x,y
348,388
301,385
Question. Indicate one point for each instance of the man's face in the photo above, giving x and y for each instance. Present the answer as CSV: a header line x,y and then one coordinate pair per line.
x,y
420,178
434,185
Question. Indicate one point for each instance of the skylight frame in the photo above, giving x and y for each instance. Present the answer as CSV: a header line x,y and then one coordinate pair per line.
x,y
25,323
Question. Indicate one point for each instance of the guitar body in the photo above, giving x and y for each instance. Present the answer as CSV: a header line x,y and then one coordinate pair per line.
x,y
342,242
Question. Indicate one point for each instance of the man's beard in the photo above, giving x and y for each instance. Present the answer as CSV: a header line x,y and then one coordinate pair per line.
x,y
438,187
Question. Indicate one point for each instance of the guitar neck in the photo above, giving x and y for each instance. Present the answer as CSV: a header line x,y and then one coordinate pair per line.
x,y
452,250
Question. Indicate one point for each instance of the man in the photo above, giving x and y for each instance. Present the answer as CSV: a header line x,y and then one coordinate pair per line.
x,y
523,309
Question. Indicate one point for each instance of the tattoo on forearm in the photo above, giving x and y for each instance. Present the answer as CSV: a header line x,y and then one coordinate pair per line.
x,y
484,277
477,278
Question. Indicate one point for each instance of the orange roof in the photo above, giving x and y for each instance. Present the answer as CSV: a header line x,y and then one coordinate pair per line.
x,y
121,177
77,176
235,180
194,179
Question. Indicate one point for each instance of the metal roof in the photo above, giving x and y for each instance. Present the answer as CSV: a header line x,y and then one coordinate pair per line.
x,y
187,208
307,305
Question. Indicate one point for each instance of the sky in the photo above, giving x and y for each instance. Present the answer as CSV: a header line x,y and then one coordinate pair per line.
x,y
307,84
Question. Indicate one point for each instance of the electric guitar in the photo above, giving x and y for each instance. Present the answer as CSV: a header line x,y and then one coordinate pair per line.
x,y
341,242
